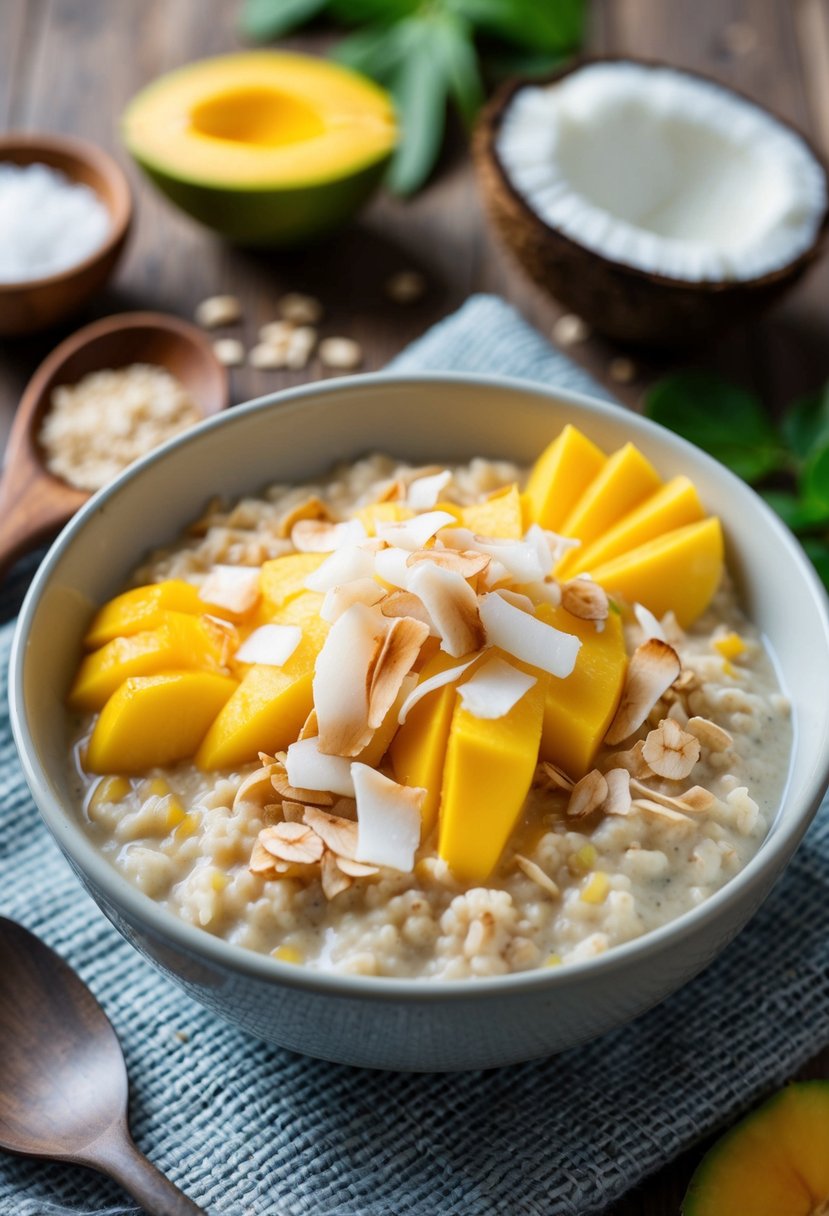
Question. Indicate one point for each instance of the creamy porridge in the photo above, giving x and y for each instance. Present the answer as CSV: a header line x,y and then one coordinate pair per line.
x,y
635,831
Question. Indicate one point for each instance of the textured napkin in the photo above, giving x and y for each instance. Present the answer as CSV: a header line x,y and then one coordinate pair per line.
x,y
252,1130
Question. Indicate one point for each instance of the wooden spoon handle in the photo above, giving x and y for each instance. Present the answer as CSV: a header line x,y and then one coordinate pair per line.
x,y
31,509
117,1156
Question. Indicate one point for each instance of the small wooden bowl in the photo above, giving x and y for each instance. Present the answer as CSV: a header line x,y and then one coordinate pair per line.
x,y
37,303
34,503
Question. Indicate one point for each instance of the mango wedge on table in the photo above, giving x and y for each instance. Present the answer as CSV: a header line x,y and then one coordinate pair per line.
x,y
673,506
283,578
579,709
625,479
144,608
268,709
680,570
180,642
487,775
560,476
153,720
499,515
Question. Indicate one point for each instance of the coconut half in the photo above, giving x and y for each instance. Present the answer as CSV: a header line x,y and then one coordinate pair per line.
x,y
657,204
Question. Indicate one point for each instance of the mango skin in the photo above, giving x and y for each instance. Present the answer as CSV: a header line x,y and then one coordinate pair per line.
x,y
156,720
488,772
560,476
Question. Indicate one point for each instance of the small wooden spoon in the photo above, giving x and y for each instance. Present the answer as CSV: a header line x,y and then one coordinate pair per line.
x,y
33,503
63,1082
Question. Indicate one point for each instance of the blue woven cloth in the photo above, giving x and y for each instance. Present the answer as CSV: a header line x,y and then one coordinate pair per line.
x,y
251,1130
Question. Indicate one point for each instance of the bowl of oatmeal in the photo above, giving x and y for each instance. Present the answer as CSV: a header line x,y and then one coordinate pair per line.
x,y
408,738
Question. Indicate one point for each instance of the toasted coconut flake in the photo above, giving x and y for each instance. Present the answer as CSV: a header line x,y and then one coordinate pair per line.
x,y
519,558
388,819
651,671
710,735
235,588
426,686
466,562
413,533
518,600
323,536
332,878
550,543
399,652
670,751
697,798
583,598
356,869
294,842
270,645
310,508
527,638
658,811
650,626
391,565
632,760
588,795
537,875
293,812
310,727
424,492
452,605
618,800
494,689
342,679
309,769
391,491
339,599
406,603
283,787
555,776
337,834
256,787
343,566
546,592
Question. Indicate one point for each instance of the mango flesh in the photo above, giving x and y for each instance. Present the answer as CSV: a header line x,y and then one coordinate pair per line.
x,y
579,709
673,506
680,570
266,147
180,642
773,1163
283,578
487,774
560,476
625,479
153,720
268,709
499,515
382,512
143,608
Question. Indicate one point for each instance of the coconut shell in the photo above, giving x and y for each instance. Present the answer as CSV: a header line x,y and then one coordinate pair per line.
x,y
630,305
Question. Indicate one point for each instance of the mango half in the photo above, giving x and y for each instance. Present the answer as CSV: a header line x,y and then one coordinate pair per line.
x,y
267,148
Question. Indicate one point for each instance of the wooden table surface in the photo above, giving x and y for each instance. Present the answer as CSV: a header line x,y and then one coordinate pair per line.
x,y
71,65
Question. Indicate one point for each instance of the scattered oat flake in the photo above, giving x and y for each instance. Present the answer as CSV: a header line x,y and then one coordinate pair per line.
x,y
235,588
405,286
710,734
534,872
622,370
652,669
256,787
618,800
229,351
585,599
343,354
300,309
218,310
527,638
356,869
339,835
494,689
388,819
555,776
660,811
294,842
276,333
266,357
332,878
299,347
570,329
293,812
697,798
670,751
587,795
270,645
262,862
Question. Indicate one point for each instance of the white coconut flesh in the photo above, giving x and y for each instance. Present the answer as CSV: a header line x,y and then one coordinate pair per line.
x,y
663,172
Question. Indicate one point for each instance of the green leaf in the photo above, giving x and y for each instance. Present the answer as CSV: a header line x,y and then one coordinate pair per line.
x,y
797,513
805,426
814,484
375,51
372,12
453,38
420,88
539,25
262,20
817,550
725,420
501,62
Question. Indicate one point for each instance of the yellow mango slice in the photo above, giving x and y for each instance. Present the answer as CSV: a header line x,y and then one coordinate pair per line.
x,y
382,512
419,747
673,506
498,515
144,608
560,476
282,578
773,1163
488,771
267,710
680,570
181,642
154,720
625,479
579,709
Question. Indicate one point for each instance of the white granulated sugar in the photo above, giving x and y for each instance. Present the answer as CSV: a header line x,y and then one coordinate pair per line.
x,y
95,428
48,223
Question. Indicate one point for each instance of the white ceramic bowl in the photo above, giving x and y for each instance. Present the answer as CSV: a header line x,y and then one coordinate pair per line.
x,y
389,1023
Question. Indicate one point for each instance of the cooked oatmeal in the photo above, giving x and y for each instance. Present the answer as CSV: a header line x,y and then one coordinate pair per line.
x,y
663,818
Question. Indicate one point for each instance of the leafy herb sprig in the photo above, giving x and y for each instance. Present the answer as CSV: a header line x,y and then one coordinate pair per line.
x,y
787,463
430,53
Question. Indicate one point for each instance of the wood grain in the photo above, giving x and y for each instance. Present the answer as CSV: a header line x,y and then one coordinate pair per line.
x,y
72,64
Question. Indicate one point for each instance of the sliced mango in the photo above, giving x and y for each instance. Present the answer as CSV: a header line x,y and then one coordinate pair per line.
x,y
488,771
773,1163
419,747
579,709
143,608
155,720
181,642
680,570
498,515
283,578
673,506
382,512
267,710
625,479
560,476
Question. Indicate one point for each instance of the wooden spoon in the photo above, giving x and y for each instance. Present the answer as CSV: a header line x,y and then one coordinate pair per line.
x,y
63,1082
34,503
